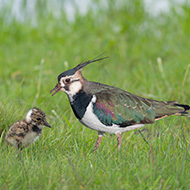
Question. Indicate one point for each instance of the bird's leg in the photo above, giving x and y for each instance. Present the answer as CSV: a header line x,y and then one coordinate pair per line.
x,y
119,140
19,151
98,140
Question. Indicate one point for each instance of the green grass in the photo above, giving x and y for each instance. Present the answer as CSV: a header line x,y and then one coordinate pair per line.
x,y
31,58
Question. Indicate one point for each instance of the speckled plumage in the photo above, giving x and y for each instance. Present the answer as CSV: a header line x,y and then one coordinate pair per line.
x,y
109,109
24,132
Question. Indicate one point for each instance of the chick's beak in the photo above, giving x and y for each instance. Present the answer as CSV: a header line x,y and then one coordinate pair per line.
x,y
47,124
56,89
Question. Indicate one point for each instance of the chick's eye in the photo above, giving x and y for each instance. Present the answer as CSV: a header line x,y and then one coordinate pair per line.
x,y
38,118
67,80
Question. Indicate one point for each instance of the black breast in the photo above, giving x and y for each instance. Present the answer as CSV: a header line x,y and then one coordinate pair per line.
x,y
80,102
36,129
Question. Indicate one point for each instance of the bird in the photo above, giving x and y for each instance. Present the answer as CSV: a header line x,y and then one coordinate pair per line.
x,y
107,109
24,132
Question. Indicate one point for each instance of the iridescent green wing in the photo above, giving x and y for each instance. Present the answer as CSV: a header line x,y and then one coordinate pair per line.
x,y
115,106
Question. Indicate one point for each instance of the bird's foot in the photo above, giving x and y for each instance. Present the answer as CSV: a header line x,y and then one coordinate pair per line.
x,y
119,141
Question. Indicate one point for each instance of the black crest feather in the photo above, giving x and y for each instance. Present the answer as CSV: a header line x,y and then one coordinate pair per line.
x,y
80,66
84,63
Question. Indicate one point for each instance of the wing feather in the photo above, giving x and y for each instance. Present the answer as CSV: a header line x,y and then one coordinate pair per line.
x,y
123,109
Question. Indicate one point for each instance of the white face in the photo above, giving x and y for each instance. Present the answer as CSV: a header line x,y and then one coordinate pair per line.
x,y
71,85
40,126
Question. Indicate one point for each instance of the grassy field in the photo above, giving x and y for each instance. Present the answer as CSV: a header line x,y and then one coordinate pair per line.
x,y
148,56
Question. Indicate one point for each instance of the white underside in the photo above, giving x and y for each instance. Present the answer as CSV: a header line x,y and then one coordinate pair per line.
x,y
29,139
91,121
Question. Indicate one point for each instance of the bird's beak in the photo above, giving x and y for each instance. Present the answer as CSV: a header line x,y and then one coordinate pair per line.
x,y
47,124
57,88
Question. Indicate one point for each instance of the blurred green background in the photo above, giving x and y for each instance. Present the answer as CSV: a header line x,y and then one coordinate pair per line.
x,y
148,45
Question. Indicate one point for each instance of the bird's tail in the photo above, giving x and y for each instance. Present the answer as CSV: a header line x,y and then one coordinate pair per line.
x,y
186,110
171,108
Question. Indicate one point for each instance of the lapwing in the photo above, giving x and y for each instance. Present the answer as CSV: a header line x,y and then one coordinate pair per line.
x,y
24,132
108,109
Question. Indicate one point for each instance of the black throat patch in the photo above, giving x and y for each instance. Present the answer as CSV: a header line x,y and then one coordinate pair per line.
x,y
80,102
36,129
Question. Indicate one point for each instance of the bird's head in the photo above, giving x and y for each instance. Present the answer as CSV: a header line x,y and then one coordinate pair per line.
x,y
71,81
37,117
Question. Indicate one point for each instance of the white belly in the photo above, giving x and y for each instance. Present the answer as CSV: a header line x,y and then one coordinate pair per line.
x,y
29,139
91,121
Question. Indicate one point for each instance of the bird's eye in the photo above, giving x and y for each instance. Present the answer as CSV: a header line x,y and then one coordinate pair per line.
x,y
67,80
38,118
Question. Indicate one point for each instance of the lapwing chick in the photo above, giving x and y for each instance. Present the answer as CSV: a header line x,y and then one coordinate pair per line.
x,y
25,132
109,109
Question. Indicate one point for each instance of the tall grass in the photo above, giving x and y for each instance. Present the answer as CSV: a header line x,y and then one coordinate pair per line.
x,y
148,56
